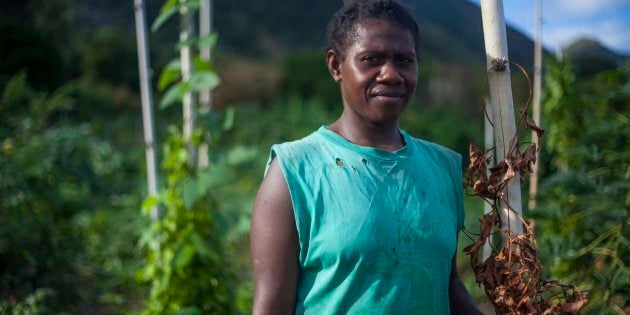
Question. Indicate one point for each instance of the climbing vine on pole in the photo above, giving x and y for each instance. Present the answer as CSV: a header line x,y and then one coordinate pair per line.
x,y
189,271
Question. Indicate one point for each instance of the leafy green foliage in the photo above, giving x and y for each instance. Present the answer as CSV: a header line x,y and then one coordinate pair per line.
x,y
202,79
109,54
36,193
169,8
186,264
584,211
25,48
32,304
305,75
54,174
71,159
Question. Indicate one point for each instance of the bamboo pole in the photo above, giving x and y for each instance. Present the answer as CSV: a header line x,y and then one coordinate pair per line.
x,y
205,29
489,144
503,108
147,102
205,97
533,179
189,101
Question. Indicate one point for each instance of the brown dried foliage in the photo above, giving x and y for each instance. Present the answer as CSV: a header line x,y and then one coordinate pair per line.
x,y
492,186
511,275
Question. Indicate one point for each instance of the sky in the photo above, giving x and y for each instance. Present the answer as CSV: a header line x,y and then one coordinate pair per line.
x,y
564,21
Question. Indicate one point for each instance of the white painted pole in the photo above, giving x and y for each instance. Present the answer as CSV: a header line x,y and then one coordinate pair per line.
x,y
189,100
489,143
503,108
205,29
533,179
205,96
147,102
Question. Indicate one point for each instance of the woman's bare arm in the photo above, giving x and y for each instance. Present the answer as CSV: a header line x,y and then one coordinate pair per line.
x,y
274,246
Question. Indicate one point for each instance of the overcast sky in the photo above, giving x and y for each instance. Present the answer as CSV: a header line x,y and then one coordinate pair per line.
x,y
564,21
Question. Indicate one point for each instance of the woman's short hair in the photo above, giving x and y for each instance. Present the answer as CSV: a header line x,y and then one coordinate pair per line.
x,y
342,27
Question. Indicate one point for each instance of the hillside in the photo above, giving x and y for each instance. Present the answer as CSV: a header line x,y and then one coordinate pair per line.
x,y
450,30
451,50
590,57
590,48
257,37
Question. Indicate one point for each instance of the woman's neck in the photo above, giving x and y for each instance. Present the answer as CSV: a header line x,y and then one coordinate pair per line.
x,y
385,136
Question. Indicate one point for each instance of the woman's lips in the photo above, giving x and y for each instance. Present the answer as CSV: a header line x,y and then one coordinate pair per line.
x,y
388,97
388,93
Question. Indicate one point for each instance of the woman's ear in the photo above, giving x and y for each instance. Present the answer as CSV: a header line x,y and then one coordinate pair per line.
x,y
333,61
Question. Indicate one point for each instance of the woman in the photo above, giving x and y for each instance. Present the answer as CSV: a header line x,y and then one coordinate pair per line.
x,y
360,217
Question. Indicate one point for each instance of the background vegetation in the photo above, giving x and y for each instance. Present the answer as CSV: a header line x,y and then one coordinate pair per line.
x,y
72,178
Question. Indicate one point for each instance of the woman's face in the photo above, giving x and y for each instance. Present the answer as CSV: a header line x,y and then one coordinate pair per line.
x,y
378,72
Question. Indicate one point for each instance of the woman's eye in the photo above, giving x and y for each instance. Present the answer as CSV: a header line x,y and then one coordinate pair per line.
x,y
371,59
405,60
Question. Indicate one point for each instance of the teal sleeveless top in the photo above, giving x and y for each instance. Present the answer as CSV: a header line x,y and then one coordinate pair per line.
x,y
377,229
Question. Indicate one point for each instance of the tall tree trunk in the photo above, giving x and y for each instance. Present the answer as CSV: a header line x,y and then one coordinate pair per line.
x,y
503,108
533,179
189,100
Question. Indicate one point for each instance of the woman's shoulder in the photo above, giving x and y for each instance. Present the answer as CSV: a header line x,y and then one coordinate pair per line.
x,y
438,152
434,147
296,148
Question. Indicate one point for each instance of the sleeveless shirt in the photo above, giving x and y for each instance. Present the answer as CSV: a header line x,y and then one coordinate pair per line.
x,y
377,229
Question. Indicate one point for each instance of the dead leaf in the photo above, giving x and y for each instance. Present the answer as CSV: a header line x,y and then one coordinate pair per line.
x,y
511,275
531,124
576,303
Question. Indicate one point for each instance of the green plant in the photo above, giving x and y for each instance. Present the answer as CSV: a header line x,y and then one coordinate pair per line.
x,y
306,76
585,211
187,264
57,177
32,304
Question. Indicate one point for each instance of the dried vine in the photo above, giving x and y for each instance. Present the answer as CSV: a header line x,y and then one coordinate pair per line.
x,y
511,275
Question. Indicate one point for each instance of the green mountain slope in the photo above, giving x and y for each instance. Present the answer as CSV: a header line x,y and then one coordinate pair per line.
x,y
450,30
254,32
590,57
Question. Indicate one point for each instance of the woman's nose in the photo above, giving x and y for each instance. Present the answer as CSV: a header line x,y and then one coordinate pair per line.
x,y
389,74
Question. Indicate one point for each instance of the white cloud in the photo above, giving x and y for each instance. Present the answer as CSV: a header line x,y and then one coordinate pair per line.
x,y
565,21
579,8
611,33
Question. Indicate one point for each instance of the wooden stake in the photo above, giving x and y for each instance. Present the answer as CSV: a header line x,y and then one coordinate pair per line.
x,y
205,29
503,108
205,97
147,102
189,99
533,179
489,143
